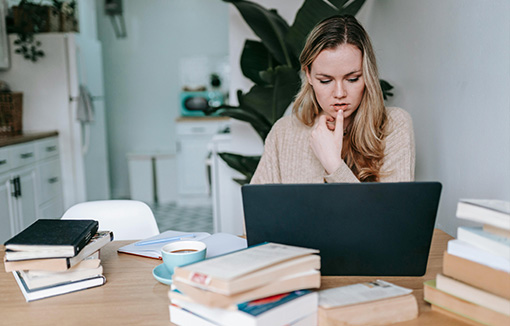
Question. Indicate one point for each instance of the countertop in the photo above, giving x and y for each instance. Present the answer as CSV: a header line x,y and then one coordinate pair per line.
x,y
201,118
25,137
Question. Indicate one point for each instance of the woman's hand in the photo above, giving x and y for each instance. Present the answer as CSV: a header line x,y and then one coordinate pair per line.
x,y
326,141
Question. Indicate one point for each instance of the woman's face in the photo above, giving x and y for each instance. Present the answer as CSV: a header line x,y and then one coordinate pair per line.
x,y
337,80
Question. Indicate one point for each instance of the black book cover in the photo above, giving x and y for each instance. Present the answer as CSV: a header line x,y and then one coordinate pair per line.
x,y
58,233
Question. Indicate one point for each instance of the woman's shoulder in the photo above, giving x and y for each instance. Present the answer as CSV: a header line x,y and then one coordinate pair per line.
x,y
289,122
398,114
399,117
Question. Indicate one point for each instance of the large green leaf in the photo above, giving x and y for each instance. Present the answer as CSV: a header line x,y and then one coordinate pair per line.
x,y
254,59
353,7
269,26
272,101
246,165
312,12
286,85
258,122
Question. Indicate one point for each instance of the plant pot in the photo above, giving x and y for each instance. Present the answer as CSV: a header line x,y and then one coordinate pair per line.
x,y
68,23
36,19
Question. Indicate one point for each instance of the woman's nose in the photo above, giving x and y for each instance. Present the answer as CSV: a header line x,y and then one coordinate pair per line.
x,y
340,90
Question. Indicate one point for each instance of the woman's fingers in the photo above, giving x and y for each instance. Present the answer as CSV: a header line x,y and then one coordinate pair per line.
x,y
339,125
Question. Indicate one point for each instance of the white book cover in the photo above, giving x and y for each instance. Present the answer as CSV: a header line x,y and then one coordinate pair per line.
x,y
467,251
493,243
183,317
277,310
31,295
487,211
242,262
360,293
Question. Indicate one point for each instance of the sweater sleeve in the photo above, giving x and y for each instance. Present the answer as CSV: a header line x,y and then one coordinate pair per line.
x,y
399,153
268,169
342,174
399,158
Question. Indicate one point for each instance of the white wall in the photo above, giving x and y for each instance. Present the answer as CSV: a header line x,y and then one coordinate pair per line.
x,y
450,64
141,72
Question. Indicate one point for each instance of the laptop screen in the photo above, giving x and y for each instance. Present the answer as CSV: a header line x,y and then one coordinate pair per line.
x,y
382,229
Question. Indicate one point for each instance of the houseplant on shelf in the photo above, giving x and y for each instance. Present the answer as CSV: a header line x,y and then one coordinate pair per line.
x,y
273,65
29,18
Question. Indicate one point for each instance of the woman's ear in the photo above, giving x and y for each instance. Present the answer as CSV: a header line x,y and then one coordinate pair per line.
x,y
308,76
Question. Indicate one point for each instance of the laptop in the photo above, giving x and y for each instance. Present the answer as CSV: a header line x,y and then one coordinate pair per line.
x,y
363,229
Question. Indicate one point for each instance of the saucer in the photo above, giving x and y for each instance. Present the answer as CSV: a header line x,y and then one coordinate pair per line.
x,y
162,274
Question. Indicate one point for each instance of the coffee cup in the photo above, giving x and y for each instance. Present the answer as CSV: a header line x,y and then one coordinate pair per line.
x,y
181,253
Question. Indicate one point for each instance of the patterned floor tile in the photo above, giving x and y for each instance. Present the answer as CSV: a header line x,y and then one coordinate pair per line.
x,y
180,218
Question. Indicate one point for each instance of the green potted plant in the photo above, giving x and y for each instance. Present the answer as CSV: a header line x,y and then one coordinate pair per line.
x,y
273,65
29,18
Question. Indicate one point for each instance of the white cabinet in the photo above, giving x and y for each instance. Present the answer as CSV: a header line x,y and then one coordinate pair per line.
x,y
26,198
193,136
30,185
6,209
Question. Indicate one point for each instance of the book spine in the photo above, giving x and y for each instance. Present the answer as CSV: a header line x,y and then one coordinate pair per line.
x,y
484,241
84,240
461,307
479,275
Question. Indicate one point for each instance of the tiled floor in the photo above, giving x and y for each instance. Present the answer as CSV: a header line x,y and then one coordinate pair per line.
x,y
189,219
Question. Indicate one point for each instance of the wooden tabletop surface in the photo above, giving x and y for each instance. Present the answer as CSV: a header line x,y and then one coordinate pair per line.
x,y
131,295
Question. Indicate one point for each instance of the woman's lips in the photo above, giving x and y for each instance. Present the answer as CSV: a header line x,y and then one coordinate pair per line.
x,y
340,106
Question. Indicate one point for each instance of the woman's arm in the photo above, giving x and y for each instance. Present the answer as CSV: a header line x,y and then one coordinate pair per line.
x,y
399,153
268,170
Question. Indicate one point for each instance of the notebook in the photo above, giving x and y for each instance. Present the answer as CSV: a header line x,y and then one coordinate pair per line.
x,y
364,229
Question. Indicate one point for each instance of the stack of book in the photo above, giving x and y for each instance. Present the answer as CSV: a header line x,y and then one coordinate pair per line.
x,y
53,257
261,285
475,283
367,304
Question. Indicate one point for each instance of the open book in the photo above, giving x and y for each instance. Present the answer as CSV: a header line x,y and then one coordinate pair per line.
x,y
217,244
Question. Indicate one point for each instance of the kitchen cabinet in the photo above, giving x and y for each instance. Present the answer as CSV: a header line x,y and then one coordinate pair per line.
x,y
6,220
30,186
193,136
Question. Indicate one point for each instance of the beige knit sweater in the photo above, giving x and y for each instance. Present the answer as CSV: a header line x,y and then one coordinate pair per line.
x,y
288,157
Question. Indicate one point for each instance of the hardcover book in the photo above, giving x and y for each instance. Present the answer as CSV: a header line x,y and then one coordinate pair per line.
x,y
277,310
467,251
493,212
370,303
99,240
47,238
306,280
462,307
88,268
490,242
247,269
31,295
473,294
479,275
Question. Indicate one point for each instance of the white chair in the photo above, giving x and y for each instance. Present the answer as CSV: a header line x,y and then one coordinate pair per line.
x,y
128,219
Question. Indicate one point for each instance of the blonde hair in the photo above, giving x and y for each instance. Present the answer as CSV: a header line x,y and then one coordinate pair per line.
x,y
363,145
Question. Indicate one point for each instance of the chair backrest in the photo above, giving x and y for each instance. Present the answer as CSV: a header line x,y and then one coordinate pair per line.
x,y
128,219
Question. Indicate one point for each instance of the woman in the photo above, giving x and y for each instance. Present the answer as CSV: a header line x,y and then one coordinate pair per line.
x,y
340,130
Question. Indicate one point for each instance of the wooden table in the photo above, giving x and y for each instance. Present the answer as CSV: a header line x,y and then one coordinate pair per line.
x,y
132,296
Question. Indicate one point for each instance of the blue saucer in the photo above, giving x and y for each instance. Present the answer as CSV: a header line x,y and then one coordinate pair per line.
x,y
162,274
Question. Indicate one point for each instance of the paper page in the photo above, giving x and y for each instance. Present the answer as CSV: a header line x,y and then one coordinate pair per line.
x,y
358,293
245,261
495,204
222,243
154,250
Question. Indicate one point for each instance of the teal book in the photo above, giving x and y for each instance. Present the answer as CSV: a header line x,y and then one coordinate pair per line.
x,y
487,241
47,238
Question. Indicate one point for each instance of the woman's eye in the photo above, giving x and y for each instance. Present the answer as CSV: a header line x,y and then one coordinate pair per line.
x,y
325,81
353,80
